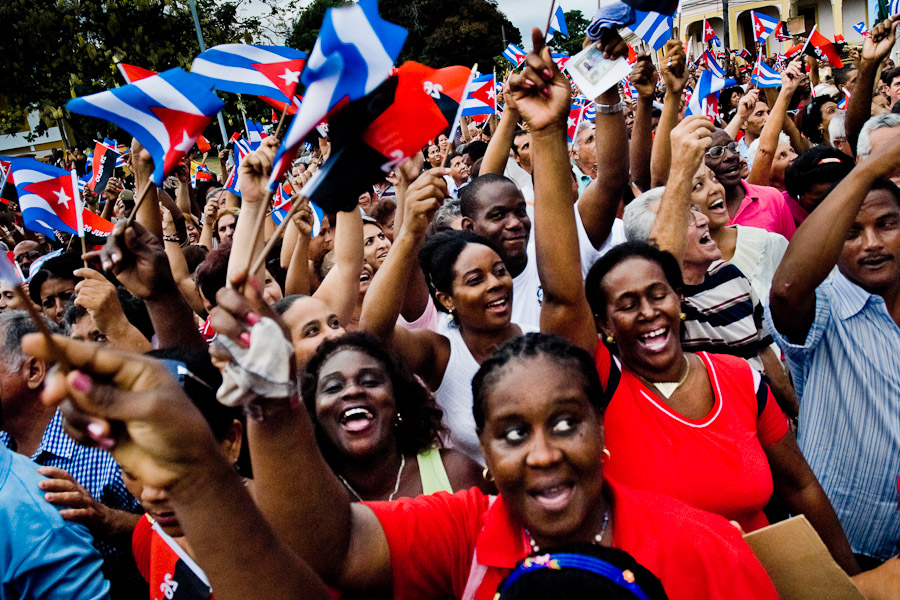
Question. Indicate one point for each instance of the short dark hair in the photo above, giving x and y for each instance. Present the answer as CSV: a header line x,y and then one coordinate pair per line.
x,y
419,427
819,164
519,132
470,193
813,118
58,267
571,582
212,274
439,254
842,75
532,345
593,283
475,149
890,75
888,186
383,210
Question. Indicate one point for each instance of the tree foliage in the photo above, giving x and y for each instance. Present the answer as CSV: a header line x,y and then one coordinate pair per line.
x,y
54,50
441,33
576,24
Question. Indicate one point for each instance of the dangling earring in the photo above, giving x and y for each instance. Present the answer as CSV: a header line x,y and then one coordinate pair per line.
x,y
606,455
610,339
487,475
397,420
683,316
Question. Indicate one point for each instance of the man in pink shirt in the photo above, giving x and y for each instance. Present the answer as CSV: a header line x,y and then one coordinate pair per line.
x,y
751,205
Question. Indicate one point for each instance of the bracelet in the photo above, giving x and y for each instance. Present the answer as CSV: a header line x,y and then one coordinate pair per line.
x,y
610,109
172,238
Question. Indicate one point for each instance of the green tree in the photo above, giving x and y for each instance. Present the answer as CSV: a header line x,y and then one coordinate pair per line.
x,y
441,33
571,44
54,50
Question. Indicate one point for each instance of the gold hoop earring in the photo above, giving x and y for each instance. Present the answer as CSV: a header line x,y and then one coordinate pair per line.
x,y
486,475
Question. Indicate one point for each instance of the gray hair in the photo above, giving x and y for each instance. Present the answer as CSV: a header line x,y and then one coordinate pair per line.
x,y
14,325
581,127
864,145
837,128
444,217
640,214
754,146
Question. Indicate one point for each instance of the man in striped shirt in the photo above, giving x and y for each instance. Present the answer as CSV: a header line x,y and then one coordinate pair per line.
x,y
841,339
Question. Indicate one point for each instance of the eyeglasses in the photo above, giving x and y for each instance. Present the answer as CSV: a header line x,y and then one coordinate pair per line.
x,y
719,151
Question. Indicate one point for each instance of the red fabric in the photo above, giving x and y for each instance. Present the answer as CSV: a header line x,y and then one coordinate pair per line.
x,y
157,562
764,207
695,554
797,212
716,463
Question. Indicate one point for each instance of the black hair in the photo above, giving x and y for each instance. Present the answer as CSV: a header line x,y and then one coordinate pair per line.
x,y
842,75
809,169
449,158
212,274
593,283
574,583
475,149
887,77
532,345
813,118
888,186
283,305
515,146
58,267
439,254
726,96
194,254
133,308
419,427
470,193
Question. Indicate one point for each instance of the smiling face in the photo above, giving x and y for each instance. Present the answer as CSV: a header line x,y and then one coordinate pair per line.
x,y
784,156
709,195
871,254
700,248
500,216
459,170
434,155
482,289
643,315
355,405
193,233
375,245
543,441
727,167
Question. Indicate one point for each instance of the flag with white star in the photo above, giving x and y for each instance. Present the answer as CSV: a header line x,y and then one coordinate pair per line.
x,y
165,112
266,71
481,98
48,196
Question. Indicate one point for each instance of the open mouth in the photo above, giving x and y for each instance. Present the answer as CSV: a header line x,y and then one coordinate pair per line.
x,y
498,306
656,340
554,498
717,205
166,519
705,239
365,277
357,419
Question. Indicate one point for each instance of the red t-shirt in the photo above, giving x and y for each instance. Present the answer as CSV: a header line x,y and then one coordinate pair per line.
x,y
169,574
716,463
434,538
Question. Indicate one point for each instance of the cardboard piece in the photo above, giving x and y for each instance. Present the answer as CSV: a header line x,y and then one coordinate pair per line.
x,y
799,564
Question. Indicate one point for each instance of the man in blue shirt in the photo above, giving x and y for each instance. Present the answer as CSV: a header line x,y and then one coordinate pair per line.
x,y
841,339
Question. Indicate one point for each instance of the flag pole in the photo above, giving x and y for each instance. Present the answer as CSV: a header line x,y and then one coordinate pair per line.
x,y
79,216
281,120
276,235
549,18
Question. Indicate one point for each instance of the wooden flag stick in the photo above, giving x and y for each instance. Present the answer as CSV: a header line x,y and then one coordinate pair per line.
x,y
258,227
42,328
549,18
281,120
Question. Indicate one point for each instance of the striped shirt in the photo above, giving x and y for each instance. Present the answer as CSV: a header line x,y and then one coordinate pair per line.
x,y
724,316
847,377
98,473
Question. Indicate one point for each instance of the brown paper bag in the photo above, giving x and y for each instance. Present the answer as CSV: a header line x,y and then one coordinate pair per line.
x,y
799,564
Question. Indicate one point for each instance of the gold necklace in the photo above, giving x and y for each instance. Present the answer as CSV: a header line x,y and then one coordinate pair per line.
x,y
667,388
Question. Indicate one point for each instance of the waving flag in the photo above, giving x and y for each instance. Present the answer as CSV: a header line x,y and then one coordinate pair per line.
x,y
763,25
241,149
576,116
745,54
713,65
270,71
705,98
652,27
165,112
132,73
255,134
481,99
822,48
765,76
782,34
861,28
282,205
412,107
709,35
514,54
558,23
103,164
47,196
353,55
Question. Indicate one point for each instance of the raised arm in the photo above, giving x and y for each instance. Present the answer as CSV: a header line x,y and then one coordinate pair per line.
x,y
674,74
417,295
745,108
818,242
497,152
180,272
761,174
297,278
644,77
340,288
148,212
876,46
691,137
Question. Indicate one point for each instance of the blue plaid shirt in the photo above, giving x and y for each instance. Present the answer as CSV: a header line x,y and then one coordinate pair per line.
x,y
847,376
96,471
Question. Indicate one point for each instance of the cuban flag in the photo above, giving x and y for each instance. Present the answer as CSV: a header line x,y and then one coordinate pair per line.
x,y
282,205
745,54
241,149
576,116
709,35
481,98
121,158
861,28
48,197
165,112
353,55
255,134
652,27
713,65
765,76
269,71
514,54
705,97
132,73
763,25
557,23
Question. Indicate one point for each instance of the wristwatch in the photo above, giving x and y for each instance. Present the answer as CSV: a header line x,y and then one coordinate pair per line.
x,y
610,109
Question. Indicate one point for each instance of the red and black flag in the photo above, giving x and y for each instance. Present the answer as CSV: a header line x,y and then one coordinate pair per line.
x,y
103,164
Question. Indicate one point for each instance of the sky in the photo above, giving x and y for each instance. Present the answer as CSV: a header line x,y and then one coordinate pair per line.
x,y
526,14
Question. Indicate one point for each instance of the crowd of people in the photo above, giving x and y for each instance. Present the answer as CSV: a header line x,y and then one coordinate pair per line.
x,y
522,367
